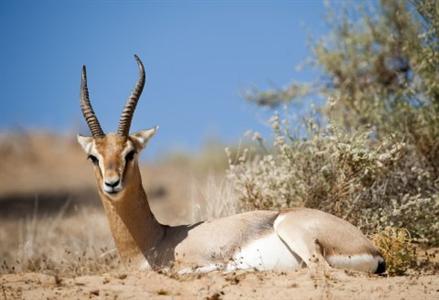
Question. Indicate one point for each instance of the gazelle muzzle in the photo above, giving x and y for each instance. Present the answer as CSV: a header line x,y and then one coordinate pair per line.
x,y
112,185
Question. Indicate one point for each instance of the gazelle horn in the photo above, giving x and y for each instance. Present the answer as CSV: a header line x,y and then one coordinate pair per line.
x,y
127,113
87,109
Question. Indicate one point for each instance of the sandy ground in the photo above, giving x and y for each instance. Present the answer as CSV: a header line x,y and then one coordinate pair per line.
x,y
216,285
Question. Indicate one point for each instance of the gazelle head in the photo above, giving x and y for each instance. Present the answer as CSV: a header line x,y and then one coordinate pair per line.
x,y
114,155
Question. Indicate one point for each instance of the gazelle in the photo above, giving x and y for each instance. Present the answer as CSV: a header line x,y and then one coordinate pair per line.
x,y
264,240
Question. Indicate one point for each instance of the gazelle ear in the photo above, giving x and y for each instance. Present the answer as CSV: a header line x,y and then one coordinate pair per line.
x,y
86,142
142,137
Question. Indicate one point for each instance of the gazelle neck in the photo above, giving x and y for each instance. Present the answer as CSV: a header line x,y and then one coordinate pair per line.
x,y
134,228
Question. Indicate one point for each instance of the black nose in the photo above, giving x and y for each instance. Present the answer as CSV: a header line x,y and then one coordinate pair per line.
x,y
113,183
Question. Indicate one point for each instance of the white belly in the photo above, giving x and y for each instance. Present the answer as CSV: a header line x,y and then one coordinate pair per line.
x,y
360,262
266,253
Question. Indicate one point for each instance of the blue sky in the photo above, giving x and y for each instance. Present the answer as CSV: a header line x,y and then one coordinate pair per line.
x,y
199,58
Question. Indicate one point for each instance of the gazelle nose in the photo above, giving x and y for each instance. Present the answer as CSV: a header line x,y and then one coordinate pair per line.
x,y
112,183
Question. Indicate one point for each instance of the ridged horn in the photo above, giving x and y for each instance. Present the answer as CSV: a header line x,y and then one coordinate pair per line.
x,y
128,111
87,109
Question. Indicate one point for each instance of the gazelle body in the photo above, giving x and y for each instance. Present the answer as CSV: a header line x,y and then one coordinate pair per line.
x,y
264,240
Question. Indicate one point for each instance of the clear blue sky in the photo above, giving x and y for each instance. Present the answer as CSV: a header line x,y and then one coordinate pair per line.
x,y
199,57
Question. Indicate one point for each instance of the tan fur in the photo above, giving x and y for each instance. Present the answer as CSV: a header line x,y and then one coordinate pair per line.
x,y
334,235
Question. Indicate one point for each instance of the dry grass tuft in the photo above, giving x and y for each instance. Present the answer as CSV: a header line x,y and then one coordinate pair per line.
x,y
71,245
212,198
395,244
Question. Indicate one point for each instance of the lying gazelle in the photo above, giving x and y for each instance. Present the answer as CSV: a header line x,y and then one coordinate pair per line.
x,y
264,240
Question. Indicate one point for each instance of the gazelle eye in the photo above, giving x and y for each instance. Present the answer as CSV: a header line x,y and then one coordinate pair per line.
x,y
130,155
93,159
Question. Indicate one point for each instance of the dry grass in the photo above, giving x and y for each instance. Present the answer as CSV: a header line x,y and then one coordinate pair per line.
x,y
75,244
213,198
395,244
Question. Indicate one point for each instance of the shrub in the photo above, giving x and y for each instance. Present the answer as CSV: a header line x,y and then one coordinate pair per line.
x,y
372,183
395,245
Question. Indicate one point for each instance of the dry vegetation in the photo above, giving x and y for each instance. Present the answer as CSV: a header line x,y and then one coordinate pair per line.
x,y
371,183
